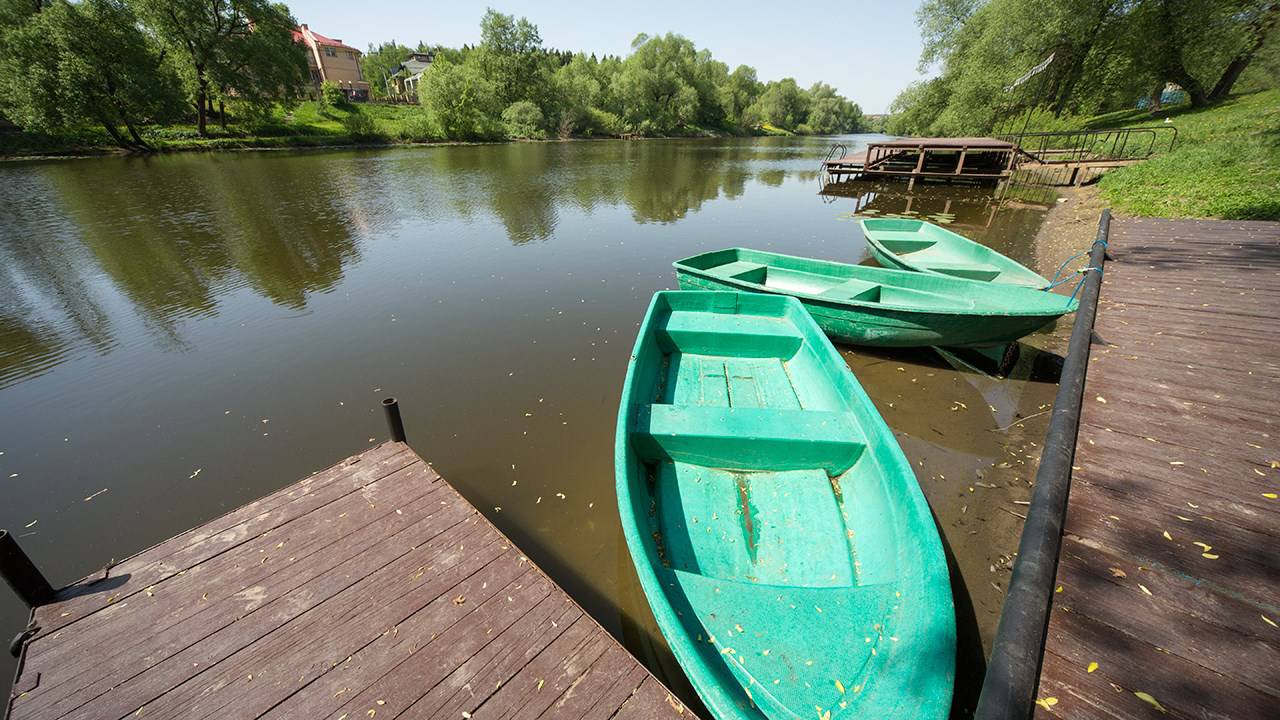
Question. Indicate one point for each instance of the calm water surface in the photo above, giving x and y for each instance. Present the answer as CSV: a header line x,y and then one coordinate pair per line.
x,y
180,335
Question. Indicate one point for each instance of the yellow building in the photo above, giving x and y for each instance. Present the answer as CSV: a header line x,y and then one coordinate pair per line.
x,y
331,60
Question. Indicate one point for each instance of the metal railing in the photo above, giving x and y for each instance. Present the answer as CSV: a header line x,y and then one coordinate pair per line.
x,y
1074,146
1013,674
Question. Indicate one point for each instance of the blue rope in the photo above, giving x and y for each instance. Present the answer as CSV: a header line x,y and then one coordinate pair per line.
x,y
1084,275
1054,282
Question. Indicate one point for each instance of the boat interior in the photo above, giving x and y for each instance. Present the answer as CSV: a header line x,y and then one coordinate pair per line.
x,y
764,494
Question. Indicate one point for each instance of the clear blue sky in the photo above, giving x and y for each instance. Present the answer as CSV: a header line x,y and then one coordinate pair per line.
x,y
867,50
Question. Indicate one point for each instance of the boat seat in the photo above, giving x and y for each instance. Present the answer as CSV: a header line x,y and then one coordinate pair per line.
x,y
748,438
739,335
738,269
969,271
854,290
902,246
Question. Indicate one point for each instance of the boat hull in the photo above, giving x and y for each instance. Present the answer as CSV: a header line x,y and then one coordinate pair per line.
x,y
1002,319
778,532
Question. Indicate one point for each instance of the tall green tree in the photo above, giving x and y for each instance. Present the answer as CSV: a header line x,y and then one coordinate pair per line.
x,y
242,49
783,104
85,62
511,56
739,92
461,102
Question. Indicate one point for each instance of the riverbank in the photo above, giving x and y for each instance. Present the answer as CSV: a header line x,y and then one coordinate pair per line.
x,y
308,126
1226,163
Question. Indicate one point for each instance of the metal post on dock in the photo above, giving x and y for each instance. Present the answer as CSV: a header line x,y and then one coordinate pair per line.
x,y
1013,674
394,422
21,574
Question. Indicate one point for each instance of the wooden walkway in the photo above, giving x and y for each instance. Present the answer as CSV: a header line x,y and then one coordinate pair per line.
x,y
372,589
1170,570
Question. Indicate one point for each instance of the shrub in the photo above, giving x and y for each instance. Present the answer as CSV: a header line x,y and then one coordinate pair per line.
x,y
331,96
523,119
418,128
360,126
602,122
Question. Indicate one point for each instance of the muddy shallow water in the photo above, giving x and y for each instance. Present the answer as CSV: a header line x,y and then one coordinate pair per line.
x,y
182,334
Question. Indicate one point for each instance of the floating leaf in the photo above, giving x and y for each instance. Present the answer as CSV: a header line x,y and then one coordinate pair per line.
x,y
1092,666
1146,698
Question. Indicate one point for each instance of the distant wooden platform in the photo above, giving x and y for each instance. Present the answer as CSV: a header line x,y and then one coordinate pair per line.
x,y
369,590
1170,565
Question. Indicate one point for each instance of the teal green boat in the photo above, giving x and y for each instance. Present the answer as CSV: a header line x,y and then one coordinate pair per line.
x,y
778,532
864,305
926,248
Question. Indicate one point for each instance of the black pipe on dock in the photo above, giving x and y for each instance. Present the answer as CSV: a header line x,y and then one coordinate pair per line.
x,y
21,574
1013,674
395,424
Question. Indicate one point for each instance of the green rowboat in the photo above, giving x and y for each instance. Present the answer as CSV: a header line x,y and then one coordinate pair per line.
x,y
926,248
864,305
778,532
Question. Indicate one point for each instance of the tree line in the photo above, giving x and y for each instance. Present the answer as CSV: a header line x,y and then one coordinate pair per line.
x,y
509,84
1106,55
129,64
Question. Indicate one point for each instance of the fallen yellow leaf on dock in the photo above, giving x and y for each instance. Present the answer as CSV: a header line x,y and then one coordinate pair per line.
x,y
1210,556
1047,703
1269,496
1269,621
1146,698
1166,535
1144,589
1092,666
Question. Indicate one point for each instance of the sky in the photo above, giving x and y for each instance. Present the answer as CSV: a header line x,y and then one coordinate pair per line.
x,y
866,50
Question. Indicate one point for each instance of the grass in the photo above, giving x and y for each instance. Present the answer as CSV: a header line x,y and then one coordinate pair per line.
x,y
304,126
1226,163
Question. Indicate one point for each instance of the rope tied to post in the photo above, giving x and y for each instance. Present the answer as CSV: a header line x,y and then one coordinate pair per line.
x,y
1084,274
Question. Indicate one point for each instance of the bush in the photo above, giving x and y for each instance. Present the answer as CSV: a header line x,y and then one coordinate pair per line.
x,y
602,122
360,126
331,96
523,120
418,128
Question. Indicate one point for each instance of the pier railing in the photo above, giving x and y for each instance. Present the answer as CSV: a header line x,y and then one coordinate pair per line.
x,y
1013,673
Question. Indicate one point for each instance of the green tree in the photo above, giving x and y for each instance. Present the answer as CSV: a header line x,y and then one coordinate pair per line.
x,y
737,93
511,56
523,120
89,61
783,104
229,48
460,100
658,85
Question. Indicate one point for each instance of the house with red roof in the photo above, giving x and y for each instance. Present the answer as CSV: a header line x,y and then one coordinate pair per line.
x,y
332,60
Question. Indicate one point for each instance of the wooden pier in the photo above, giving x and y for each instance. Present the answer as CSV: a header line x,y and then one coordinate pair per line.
x,y
369,590
1169,576
952,159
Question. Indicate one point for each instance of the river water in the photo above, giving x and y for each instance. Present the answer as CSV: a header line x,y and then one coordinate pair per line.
x,y
182,334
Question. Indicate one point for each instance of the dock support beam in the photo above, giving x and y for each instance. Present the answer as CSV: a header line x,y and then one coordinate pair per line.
x,y
21,574
1013,675
394,422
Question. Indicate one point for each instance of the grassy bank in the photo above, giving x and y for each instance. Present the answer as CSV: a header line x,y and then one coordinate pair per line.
x,y
307,125
1226,163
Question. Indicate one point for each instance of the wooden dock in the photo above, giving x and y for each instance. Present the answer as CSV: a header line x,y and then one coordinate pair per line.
x,y
1169,572
369,590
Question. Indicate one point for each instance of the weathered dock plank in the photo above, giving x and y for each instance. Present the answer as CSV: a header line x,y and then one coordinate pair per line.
x,y
369,589
1169,577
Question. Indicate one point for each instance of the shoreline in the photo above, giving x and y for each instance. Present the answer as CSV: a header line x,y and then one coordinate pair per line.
x,y
212,145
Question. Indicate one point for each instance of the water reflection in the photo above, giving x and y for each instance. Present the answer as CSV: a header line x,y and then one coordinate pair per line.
x,y
173,234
